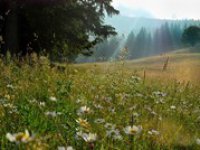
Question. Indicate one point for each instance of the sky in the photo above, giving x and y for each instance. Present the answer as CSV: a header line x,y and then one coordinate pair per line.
x,y
162,9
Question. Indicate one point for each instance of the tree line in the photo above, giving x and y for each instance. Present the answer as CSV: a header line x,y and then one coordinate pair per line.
x,y
142,43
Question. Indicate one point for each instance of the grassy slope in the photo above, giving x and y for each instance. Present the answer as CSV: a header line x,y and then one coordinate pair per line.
x,y
183,66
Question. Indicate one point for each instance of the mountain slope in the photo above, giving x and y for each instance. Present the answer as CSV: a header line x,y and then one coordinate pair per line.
x,y
124,24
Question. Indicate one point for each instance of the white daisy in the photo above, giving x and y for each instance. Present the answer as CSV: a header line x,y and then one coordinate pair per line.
x,y
132,130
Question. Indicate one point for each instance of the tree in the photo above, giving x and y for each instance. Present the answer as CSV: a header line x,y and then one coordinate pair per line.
x,y
176,33
166,38
140,43
191,35
65,27
130,44
157,42
149,44
162,39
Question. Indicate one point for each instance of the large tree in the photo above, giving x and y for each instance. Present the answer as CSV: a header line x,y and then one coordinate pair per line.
x,y
191,35
65,27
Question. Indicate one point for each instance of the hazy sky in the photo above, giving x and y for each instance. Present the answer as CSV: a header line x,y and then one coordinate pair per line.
x,y
164,9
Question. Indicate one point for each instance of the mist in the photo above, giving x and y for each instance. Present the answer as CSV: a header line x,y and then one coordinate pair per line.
x,y
142,37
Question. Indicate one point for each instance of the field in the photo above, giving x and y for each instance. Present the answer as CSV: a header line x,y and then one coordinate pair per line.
x,y
151,103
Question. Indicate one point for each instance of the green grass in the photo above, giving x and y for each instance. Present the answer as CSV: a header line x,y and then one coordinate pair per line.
x,y
118,93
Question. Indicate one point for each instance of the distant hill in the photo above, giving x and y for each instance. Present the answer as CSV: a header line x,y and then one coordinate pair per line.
x,y
124,24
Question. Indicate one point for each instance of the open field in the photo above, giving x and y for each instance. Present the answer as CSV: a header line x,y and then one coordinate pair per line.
x,y
183,67
119,105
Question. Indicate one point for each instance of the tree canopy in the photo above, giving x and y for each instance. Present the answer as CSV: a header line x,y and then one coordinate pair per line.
x,y
191,35
60,27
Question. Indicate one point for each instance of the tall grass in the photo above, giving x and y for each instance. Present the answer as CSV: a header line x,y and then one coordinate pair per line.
x,y
83,107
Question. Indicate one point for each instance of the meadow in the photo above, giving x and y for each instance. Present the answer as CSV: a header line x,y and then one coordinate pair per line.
x,y
122,105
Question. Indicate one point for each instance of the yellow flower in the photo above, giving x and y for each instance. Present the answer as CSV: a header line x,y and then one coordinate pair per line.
x,y
83,123
19,137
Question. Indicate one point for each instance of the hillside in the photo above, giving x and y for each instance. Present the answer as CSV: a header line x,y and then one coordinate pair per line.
x,y
183,65
124,24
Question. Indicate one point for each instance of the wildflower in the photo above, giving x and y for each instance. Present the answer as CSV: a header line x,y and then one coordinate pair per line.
x,y
117,137
108,99
158,93
52,113
33,101
133,107
135,79
10,86
78,101
114,133
160,101
83,123
10,105
53,99
139,95
109,133
42,104
160,118
90,137
173,107
7,96
112,110
132,130
83,110
19,137
79,133
96,97
98,106
198,141
185,103
70,148
153,132
154,113
61,148
109,126
135,114
65,148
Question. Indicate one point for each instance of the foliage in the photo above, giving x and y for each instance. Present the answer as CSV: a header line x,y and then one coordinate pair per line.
x,y
71,27
191,35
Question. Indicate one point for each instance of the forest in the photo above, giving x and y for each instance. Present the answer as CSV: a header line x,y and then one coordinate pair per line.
x,y
143,41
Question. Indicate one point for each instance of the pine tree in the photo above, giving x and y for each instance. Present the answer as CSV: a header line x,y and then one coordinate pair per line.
x,y
58,26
